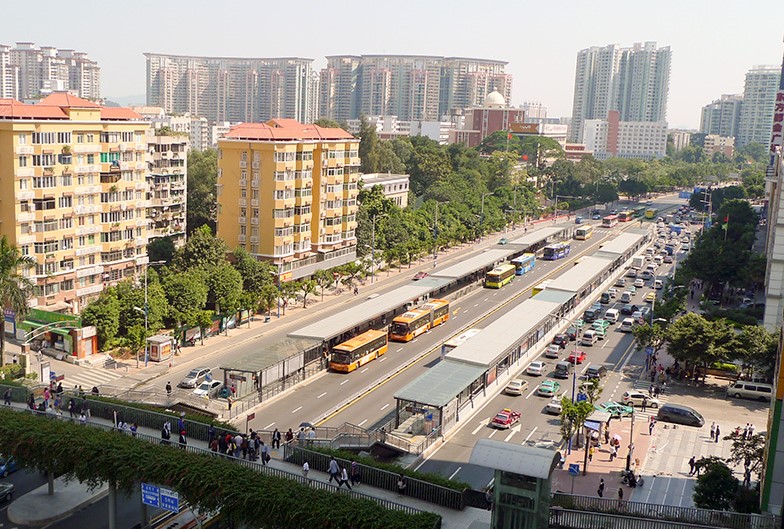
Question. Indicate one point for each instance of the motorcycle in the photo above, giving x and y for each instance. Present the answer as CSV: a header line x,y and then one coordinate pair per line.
x,y
628,478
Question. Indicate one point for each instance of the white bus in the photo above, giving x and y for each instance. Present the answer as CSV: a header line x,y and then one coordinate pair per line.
x,y
457,340
583,232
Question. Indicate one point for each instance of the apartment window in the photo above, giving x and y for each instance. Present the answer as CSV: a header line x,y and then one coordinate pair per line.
x,y
41,182
46,247
243,229
44,138
67,243
23,183
256,213
25,249
127,136
68,284
244,192
304,156
90,138
22,138
63,137
44,160
66,223
23,161
42,204
90,158
66,180
108,157
110,137
244,156
255,194
80,138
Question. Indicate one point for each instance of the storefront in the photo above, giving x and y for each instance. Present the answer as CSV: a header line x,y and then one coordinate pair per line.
x,y
53,330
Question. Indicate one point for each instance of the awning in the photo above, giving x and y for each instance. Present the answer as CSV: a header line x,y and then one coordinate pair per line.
x,y
61,332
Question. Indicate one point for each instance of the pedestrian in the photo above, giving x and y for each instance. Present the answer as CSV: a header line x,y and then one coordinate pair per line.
x,y
651,424
489,498
644,403
181,421
650,390
613,452
620,496
289,436
134,427
238,440
168,389
7,397
590,454
333,470
86,409
210,432
71,407
692,463
265,456
214,445
746,432
718,433
600,491
276,440
183,439
305,470
751,431
401,485
83,419
747,477
606,436
343,478
713,431
166,433
228,400
355,477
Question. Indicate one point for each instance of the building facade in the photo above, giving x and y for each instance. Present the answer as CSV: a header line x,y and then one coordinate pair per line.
x,y
680,139
287,193
718,144
389,127
634,81
482,121
756,113
722,116
613,138
167,184
411,87
31,72
395,187
232,89
74,195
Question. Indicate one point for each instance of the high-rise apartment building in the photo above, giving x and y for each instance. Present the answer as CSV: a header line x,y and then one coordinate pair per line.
x,y
613,138
167,185
232,89
722,116
634,81
287,193
411,87
756,113
73,195
29,72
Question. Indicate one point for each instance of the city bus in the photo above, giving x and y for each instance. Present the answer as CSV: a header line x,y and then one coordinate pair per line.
x,y
609,221
414,322
500,276
455,341
625,216
524,264
639,212
651,213
556,251
584,232
358,351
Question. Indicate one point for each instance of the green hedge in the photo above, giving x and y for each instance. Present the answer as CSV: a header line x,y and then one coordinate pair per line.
x,y
192,417
251,498
435,479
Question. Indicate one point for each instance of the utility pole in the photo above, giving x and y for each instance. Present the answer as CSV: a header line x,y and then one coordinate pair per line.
x,y
373,252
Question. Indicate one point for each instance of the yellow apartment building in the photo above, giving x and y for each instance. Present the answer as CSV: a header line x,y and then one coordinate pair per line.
x,y
287,193
73,195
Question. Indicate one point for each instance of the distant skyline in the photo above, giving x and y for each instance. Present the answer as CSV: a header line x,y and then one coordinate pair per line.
x,y
714,43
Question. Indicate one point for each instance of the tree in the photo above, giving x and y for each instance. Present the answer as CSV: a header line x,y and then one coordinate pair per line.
x,y
716,487
255,273
308,287
323,279
650,336
203,249
573,416
368,146
500,140
749,452
161,249
136,339
104,314
15,287
287,292
203,320
224,288
202,179
331,124
697,341
268,297
591,389
187,294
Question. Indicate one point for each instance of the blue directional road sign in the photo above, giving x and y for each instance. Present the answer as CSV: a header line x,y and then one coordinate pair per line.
x,y
159,497
582,397
574,469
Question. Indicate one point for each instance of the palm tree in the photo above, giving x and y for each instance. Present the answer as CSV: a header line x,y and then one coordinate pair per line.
x,y
15,288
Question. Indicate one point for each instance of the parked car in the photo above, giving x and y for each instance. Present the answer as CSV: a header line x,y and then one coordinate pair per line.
x,y
554,407
615,410
505,418
516,386
636,398
195,377
208,389
7,465
577,357
548,388
679,414
535,368
7,490
503,240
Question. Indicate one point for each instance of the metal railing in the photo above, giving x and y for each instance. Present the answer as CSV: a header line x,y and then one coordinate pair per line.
x,y
669,513
379,478
570,519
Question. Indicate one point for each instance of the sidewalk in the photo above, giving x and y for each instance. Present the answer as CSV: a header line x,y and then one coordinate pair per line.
x,y
37,508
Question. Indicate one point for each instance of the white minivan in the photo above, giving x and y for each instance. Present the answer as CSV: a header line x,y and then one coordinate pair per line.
x,y
657,284
589,337
612,315
627,325
750,390
626,297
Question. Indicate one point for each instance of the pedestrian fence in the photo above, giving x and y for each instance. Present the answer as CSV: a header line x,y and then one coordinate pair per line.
x,y
681,515
255,465
561,518
380,478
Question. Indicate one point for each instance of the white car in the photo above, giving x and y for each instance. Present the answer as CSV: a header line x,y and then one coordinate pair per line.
x,y
635,398
535,368
639,282
613,292
553,350
208,389
554,407
516,386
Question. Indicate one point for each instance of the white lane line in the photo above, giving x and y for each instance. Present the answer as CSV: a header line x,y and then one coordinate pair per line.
x,y
532,392
363,422
414,340
399,349
343,382
382,358
364,370
296,410
455,473
385,407
511,434
495,431
530,434
476,305
481,425
270,425
321,395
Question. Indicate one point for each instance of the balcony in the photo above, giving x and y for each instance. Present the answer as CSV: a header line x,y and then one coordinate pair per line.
x,y
25,217
25,171
243,202
242,220
89,271
92,289
241,238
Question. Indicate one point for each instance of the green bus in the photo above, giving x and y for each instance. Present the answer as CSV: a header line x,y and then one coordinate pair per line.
x,y
639,212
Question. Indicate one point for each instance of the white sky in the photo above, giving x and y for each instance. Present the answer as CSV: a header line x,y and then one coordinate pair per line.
x,y
713,43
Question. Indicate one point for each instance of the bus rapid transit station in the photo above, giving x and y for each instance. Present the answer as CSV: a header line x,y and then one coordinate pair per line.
x,y
470,373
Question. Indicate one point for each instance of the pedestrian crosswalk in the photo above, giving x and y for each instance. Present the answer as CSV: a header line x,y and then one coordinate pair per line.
x,y
87,378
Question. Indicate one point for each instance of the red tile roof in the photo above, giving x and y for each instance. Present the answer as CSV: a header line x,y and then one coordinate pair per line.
x,y
54,105
285,130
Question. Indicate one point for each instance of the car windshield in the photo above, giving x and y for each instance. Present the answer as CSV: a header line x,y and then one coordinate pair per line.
x,y
205,385
501,416
193,374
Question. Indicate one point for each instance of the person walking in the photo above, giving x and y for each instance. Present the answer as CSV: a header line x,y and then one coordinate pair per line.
x,y
606,436
343,478
718,434
334,470
620,496
355,477
751,430
644,403
692,463
590,454
183,439
600,491
276,440
401,485
7,397
305,470
651,424
265,456
713,431
289,437
168,389
613,452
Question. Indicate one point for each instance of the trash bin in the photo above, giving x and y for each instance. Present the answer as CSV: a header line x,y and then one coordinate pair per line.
x,y
266,319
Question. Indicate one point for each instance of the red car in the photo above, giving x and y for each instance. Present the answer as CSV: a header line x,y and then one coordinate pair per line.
x,y
420,275
577,357
505,418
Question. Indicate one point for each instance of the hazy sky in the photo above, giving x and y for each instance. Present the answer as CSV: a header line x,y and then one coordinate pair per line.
x,y
713,43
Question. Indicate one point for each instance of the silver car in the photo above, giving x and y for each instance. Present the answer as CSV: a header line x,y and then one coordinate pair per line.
x,y
208,389
195,377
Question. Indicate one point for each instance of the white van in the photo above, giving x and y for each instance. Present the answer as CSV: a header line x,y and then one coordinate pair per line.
x,y
658,259
657,284
627,325
750,390
589,337
626,297
612,315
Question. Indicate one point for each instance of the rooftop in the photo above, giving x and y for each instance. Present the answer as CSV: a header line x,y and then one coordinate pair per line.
x,y
53,107
285,130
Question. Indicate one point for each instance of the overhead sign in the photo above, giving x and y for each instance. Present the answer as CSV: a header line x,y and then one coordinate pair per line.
x,y
156,496
574,469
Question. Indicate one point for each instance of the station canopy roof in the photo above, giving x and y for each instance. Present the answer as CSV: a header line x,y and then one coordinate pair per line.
x,y
441,383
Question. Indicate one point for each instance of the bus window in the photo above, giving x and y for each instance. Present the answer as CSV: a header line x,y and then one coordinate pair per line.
x,y
583,232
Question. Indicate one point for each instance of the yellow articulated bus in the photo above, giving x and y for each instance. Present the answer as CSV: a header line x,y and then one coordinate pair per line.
x,y
414,322
500,276
358,351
